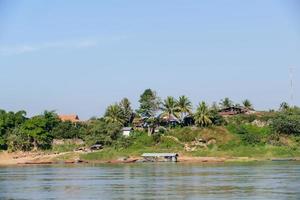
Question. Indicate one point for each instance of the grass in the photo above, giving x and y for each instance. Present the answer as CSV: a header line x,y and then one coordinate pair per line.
x,y
64,148
230,143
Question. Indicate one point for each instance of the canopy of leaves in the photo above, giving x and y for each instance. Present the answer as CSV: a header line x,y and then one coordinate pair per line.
x,y
287,122
203,115
149,103
170,107
101,132
225,103
185,106
127,112
114,114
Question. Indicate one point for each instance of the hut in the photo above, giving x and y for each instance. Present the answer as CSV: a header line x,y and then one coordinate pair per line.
x,y
126,131
160,157
235,110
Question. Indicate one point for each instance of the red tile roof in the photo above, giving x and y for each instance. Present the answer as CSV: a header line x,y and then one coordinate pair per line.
x,y
71,118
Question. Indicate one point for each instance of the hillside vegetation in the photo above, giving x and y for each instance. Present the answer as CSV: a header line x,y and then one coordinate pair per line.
x,y
223,130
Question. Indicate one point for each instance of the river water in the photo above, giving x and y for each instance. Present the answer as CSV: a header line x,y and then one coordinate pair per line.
x,y
259,180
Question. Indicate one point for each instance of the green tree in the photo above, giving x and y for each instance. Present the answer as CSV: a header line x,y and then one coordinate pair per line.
x,y
202,115
126,111
287,123
36,131
114,114
9,121
102,132
284,106
185,106
170,107
149,103
67,130
225,103
247,104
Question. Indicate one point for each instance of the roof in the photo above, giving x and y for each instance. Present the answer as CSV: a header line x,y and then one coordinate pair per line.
x,y
71,118
169,118
159,154
127,129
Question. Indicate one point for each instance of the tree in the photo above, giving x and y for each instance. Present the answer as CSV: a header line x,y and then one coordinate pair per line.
x,y
149,103
9,121
185,106
202,115
126,111
215,106
36,130
170,107
225,103
102,132
114,114
284,106
51,119
67,130
286,123
247,104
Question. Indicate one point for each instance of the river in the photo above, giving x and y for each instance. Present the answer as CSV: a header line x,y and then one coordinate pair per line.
x,y
256,180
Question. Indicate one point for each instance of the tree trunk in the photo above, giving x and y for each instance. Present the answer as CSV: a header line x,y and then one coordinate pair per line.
x,y
149,131
35,146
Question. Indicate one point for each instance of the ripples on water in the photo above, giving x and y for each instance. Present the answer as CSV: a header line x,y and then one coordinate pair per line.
x,y
270,180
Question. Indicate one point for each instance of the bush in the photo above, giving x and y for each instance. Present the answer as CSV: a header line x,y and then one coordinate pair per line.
x,y
168,143
250,134
186,134
286,123
156,137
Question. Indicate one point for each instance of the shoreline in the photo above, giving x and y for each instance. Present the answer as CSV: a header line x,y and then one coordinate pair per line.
x,y
67,158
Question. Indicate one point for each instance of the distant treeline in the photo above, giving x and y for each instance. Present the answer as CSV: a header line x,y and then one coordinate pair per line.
x,y
17,132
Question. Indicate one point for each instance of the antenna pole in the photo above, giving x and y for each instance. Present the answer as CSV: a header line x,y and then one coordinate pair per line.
x,y
291,70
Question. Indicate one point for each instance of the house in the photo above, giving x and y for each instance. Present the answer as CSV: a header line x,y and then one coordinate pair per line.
x,y
169,120
126,131
72,118
235,110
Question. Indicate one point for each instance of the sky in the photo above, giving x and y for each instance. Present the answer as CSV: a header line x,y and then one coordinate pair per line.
x,y
79,57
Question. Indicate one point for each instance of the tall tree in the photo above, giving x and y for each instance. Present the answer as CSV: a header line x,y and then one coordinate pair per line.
x,y
226,102
149,103
247,104
203,115
114,114
36,130
185,106
126,110
284,106
170,107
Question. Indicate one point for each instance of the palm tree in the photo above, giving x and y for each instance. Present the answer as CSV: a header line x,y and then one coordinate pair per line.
x,y
170,107
225,103
114,114
127,112
185,106
247,104
202,115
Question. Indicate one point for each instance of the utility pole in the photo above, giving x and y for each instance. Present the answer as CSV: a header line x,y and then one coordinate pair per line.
x,y
291,72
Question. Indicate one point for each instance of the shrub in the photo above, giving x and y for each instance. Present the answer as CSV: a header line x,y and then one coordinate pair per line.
x,y
250,134
186,134
286,123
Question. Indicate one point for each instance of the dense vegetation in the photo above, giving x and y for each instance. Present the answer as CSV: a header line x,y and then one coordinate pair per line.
x,y
241,135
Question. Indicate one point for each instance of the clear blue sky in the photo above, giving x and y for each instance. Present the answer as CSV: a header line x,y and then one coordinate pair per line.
x,y
81,56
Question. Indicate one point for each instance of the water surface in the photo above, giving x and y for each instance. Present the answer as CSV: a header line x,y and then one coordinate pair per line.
x,y
260,180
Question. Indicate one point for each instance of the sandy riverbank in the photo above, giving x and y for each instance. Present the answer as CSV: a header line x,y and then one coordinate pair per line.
x,y
36,157
21,158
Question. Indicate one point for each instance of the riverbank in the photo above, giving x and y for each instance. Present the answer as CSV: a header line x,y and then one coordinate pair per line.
x,y
28,158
